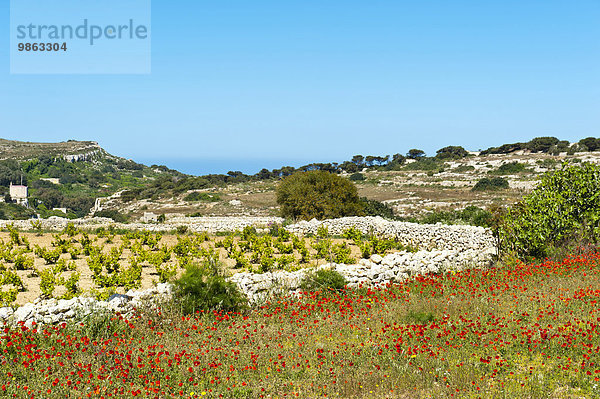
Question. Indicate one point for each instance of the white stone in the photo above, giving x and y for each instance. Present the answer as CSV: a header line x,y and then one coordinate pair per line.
x,y
6,312
376,258
24,312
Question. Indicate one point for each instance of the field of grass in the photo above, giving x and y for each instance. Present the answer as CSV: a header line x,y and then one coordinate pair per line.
x,y
515,330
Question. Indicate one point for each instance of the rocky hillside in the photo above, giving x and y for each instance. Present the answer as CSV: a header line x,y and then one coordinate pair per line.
x,y
426,189
416,187
66,176
71,150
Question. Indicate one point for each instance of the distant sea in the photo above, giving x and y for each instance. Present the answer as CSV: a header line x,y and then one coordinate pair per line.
x,y
199,167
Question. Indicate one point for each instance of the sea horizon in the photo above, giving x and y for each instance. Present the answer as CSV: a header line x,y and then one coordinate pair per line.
x,y
202,166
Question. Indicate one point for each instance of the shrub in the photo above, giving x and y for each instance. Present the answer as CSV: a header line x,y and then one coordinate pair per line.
x,y
426,164
324,280
472,215
509,168
274,229
198,196
198,290
342,253
419,318
50,256
357,177
463,168
15,212
563,208
317,194
23,262
487,184
376,208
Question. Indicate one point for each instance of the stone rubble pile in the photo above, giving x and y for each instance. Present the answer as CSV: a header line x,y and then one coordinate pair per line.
x,y
53,311
423,236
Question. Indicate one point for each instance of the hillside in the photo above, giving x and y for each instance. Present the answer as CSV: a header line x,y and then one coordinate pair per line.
x,y
74,174
67,175
69,150
415,189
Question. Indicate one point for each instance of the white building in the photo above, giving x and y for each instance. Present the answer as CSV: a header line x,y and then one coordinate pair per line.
x,y
19,194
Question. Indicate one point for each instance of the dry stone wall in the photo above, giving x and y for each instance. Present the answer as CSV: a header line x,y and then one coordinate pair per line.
x,y
208,224
424,236
53,311
377,270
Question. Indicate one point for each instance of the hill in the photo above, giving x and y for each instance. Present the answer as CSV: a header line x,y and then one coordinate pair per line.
x,y
415,186
69,150
69,175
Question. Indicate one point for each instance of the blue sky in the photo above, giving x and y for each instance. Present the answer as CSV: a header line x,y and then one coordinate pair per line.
x,y
238,84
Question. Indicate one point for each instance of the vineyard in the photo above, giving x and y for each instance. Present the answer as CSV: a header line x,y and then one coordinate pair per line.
x,y
103,262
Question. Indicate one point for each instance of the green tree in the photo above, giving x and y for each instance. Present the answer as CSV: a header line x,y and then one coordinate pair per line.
x,y
565,206
358,160
349,167
591,143
317,194
415,154
451,152
542,144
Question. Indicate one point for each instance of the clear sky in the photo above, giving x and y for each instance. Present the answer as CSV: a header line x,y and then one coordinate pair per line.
x,y
237,84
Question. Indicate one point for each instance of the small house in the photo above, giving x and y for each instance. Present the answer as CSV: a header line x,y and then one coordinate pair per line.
x,y
19,194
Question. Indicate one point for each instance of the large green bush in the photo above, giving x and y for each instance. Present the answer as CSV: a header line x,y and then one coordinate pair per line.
x,y
198,196
487,184
452,152
509,168
112,214
564,209
199,289
376,208
317,194
472,215
357,176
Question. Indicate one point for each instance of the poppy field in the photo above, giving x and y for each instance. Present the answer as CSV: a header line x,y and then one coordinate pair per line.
x,y
514,330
